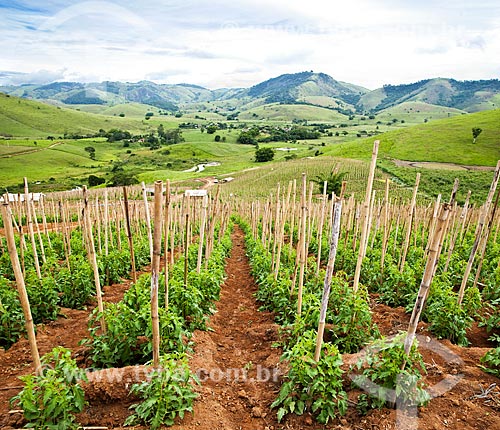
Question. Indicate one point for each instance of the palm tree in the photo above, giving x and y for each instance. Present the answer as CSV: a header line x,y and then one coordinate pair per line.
x,y
333,182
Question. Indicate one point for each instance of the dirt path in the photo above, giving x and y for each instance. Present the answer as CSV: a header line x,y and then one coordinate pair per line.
x,y
31,151
235,359
440,166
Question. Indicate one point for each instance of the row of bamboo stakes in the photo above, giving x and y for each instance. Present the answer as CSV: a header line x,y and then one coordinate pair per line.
x,y
172,214
441,224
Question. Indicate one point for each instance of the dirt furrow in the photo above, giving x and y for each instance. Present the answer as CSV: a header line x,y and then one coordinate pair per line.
x,y
235,359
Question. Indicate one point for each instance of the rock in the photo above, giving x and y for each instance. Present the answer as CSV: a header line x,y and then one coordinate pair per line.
x,y
256,412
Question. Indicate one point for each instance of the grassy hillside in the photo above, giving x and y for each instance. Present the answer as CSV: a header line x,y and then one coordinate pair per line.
x,y
27,118
289,112
417,112
130,110
447,141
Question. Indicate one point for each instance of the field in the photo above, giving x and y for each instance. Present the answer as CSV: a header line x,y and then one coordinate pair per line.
x,y
250,269
267,303
445,140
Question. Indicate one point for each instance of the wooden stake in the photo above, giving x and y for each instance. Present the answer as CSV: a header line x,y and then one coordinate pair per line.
x,y
302,251
129,235
364,232
148,217
385,238
155,271
334,239
89,236
106,223
484,242
44,219
202,232
29,221
38,232
410,224
21,287
167,232
320,227
479,231
428,275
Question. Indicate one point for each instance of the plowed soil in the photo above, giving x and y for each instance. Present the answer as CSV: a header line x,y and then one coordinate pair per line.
x,y
240,371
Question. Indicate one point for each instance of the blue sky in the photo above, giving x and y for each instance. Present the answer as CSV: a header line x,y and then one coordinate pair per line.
x,y
223,43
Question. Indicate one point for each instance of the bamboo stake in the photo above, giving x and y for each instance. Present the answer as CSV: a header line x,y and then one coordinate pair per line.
x,y
38,232
167,232
118,225
302,251
292,220
310,220
410,224
370,221
432,221
44,219
286,206
186,256
29,221
427,277
482,246
106,223
334,239
479,232
451,203
21,287
129,235
364,232
202,232
276,226
463,216
148,217
155,271
92,256
320,227
385,237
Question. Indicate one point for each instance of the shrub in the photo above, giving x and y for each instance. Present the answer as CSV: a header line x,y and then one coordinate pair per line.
x,y
311,385
385,379
50,400
168,392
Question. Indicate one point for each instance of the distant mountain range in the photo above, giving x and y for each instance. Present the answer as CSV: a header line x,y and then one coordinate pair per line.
x,y
309,88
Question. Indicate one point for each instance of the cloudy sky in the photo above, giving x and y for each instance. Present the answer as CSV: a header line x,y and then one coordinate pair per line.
x,y
238,43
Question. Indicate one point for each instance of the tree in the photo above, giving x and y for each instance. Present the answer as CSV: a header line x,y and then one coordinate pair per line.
x,y
211,129
121,178
264,154
91,151
217,138
95,180
333,182
476,131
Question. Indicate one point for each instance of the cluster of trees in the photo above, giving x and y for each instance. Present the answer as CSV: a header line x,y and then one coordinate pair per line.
x,y
264,134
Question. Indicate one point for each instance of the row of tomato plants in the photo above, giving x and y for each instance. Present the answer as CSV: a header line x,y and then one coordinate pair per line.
x,y
321,387
68,284
168,389
445,317
308,384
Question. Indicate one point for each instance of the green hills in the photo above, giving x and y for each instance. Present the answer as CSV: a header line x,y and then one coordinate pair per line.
x,y
21,117
304,88
444,141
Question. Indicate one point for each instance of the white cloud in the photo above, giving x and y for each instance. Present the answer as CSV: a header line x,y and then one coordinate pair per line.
x,y
210,42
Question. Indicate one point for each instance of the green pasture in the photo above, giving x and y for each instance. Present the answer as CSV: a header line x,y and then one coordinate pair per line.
x,y
446,141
